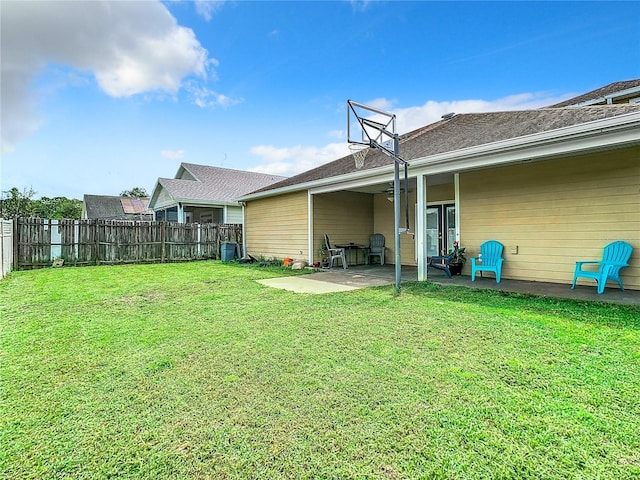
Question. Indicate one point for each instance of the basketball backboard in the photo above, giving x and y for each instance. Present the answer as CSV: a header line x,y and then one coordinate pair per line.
x,y
369,126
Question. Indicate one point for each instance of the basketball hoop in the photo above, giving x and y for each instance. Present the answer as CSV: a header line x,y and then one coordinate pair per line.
x,y
358,151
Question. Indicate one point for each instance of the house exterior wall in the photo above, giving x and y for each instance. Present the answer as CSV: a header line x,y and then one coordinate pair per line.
x,y
345,216
384,224
234,215
184,175
276,227
626,100
556,212
384,221
163,200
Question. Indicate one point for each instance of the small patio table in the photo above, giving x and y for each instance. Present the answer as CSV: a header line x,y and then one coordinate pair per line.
x,y
351,252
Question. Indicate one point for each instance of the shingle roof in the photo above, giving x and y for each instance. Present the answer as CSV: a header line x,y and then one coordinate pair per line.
x,y
109,207
215,184
599,93
463,131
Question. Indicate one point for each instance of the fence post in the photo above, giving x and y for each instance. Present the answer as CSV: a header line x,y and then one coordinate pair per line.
x,y
16,244
199,241
162,241
96,232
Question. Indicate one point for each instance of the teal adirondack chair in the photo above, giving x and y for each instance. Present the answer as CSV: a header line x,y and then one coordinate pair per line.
x,y
490,260
615,257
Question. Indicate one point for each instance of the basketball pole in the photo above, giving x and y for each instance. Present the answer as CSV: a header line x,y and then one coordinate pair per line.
x,y
395,154
367,124
396,213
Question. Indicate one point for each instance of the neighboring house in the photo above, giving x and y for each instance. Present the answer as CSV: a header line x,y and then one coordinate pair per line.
x,y
554,185
614,93
106,207
204,194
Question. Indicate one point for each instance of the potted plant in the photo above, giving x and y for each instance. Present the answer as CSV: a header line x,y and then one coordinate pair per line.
x,y
458,259
323,257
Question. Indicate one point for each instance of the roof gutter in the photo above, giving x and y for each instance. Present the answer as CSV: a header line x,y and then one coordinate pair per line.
x,y
620,130
190,202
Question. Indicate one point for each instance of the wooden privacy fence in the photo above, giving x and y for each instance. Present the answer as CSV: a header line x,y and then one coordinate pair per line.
x,y
38,242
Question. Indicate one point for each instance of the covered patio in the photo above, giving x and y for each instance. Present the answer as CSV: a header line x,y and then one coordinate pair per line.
x,y
375,275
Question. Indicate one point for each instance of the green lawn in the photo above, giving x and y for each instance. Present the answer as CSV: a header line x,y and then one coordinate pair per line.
x,y
196,371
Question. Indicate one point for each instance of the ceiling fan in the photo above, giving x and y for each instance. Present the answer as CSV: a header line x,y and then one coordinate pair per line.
x,y
389,189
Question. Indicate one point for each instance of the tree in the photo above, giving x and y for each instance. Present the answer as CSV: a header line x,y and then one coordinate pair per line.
x,y
135,192
58,208
14,203
69,208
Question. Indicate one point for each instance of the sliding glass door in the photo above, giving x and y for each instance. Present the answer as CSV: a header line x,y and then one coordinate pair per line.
x,y
441,229
433,231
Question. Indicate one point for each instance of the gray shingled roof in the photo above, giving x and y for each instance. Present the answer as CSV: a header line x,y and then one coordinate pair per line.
x,y
109,207
463,131
599,93
215,184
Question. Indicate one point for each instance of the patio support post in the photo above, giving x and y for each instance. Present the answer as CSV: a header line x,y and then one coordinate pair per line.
x,y
396,208
421,220
180,213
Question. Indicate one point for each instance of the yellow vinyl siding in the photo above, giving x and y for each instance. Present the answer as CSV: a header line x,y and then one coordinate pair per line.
x,y
556,212
441,193
383,221
622,101
276,227
384,224
344,216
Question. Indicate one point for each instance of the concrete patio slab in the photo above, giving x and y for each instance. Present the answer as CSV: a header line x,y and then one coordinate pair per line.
x,y
340,280
300,284
336,280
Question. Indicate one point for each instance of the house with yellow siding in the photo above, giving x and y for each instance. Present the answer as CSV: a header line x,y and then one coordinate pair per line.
x,y
553,185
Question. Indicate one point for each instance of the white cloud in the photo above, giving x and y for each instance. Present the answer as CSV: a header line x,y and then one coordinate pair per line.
x,y
359,5
339,134
173,154
205,97
383,104
293,160
414,117
206,8
129,47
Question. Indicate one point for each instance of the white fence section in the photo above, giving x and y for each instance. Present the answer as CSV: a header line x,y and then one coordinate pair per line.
x,y
6,247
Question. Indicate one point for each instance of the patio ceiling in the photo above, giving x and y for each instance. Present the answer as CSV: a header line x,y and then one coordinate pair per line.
x,y
382,187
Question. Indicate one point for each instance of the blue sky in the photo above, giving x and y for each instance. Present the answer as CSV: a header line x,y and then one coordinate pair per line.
x,y
100,97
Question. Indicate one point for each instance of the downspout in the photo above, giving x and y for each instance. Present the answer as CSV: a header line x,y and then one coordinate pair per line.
x,y
456,186
310,226
244,229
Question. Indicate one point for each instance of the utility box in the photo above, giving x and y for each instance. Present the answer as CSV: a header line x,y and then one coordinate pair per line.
x,y
228,251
